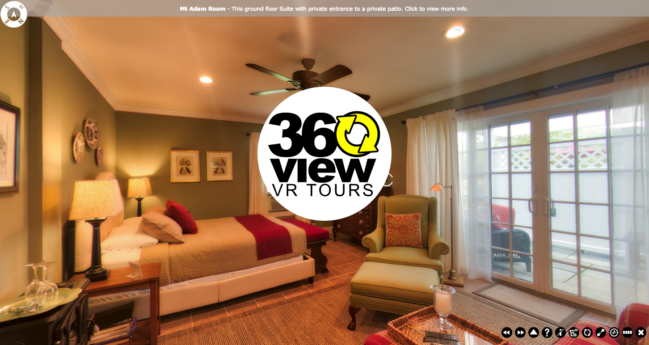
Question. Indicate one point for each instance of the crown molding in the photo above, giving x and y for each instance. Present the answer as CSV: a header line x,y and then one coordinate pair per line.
x,y
67,35
197,115
560,59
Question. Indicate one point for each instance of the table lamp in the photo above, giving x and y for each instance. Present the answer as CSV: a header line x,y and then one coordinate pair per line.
x,y
93,201
452,279
138,188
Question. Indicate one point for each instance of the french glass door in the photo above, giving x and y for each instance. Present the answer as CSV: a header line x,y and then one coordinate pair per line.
x,y
550,203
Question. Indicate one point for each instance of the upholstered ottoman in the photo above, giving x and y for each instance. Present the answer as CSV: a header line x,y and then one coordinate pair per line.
x,y
391,288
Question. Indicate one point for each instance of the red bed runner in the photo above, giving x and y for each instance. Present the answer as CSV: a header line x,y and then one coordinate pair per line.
x,y
313,233
272,238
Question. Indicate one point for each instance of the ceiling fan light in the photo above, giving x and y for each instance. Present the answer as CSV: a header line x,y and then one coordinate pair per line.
x,y
455,32
206,80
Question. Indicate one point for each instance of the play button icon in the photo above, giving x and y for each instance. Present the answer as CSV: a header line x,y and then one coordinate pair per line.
x,y
533,332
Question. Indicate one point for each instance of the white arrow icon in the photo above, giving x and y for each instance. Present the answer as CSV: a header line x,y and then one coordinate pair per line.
x,y
533,332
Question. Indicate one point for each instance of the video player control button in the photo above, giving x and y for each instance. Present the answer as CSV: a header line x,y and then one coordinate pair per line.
x,y
627,332
533,332
520,332
506,332
573,332
587,332
546,332
600,332
560,332
614,332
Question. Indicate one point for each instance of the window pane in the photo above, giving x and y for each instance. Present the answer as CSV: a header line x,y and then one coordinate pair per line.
x,y
593,187
564,247
500,262
499,136
562,186
564,277
563,217
596,285
522,186
561,128
591,124
521,158
593,220
523,240
499,160
520,133
562,157
500,214
500,185
595,252
593,155
523,267
522,215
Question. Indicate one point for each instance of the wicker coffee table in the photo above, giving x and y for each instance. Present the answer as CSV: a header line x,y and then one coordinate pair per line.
x,y
410,329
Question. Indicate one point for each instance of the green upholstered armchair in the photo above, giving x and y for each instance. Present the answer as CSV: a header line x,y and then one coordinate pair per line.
x,y
434,246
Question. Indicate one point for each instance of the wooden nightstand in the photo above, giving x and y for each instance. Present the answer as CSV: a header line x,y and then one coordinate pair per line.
x,y
146,331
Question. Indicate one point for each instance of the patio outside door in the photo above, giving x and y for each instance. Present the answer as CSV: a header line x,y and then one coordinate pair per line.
x,y
550,205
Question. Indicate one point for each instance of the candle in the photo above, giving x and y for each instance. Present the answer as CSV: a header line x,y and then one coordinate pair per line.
x,y
443,302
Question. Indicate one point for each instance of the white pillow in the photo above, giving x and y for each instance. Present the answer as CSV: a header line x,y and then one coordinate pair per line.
x,y
128,235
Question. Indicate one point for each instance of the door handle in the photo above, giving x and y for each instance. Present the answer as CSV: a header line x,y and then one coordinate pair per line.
x,y
546,210
529,206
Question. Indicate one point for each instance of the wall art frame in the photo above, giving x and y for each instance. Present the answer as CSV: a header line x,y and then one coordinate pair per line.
x,y
185,166
9,148
219,165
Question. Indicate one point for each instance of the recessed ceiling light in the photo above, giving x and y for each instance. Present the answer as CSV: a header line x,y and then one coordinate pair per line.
x,y
206,80
455,32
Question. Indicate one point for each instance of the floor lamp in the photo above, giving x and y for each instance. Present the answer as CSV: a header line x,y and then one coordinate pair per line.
x,y
452,278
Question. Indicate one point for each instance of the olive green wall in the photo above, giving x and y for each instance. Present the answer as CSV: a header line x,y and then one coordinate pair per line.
x,y
13,207
144,142
68,98
612,61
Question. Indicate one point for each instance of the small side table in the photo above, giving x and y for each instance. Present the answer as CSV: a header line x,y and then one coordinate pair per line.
x,y
118,282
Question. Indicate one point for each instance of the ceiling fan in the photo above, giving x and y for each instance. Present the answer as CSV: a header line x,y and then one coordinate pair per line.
x,y
306,79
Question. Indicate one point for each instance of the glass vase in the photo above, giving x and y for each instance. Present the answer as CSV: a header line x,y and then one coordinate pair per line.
x,y
31,291
443,304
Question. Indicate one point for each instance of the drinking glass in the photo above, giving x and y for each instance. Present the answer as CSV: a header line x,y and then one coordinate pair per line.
x,y
443,304
49,292
31,291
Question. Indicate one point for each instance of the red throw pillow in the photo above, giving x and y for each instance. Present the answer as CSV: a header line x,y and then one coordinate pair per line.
x,y
180,214
403,230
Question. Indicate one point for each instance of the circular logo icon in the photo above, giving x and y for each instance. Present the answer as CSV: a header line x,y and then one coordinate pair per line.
x,y
560,332
13,14
614,332
547,332
520,332
506,332
533,332
587,332
324,153
600,332
573,332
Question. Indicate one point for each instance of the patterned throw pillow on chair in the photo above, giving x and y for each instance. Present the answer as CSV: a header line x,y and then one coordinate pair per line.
x,y
403,230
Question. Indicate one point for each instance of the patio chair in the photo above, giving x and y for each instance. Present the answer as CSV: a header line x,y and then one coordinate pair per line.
x,y
500,237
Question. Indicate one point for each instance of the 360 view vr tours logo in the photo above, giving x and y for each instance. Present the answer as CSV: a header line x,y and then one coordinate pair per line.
x,y
324,153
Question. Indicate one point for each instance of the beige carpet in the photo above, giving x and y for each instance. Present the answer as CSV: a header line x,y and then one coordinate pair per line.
x,y
321,317
533,305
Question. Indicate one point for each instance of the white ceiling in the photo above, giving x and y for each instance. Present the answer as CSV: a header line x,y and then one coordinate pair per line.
x,y
153,64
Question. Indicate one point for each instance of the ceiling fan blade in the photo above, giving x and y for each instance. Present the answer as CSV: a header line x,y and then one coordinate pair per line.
x,y
269,72
331,74
270,92
363,96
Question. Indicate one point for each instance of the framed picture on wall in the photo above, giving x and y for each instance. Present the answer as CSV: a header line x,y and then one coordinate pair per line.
x,y
185,166
219,165
9,148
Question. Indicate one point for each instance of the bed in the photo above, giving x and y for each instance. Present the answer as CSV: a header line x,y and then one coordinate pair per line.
x,y
218,263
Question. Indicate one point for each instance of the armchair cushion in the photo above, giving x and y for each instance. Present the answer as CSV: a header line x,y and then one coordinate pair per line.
x,y
403,230
407,256
408,204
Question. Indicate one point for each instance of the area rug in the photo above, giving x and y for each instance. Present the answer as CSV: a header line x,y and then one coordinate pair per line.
x,y
321,317
534,305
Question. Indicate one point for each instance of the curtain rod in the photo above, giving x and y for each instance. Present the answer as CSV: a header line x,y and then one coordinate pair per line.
x,y
554,87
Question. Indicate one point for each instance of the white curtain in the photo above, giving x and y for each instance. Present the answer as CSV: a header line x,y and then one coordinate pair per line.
x,y
630,178
257,195
474,242
432,158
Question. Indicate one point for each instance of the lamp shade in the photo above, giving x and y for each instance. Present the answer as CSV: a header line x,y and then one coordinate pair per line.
x,y
139,187
95,199
437,188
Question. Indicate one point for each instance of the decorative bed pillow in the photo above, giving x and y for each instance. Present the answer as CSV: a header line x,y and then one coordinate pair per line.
x,y
180,214
128,235
162,227
159,209
403,230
